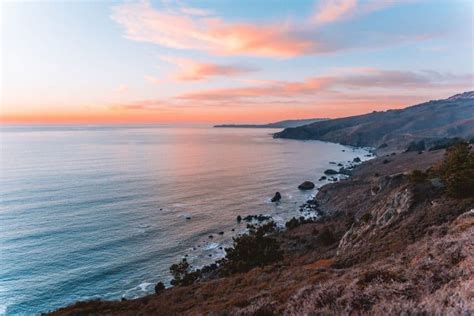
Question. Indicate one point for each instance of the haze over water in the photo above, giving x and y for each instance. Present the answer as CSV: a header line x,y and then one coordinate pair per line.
x,y
89,212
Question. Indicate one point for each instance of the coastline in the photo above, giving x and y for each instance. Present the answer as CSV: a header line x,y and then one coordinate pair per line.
x,y
345,238
309,210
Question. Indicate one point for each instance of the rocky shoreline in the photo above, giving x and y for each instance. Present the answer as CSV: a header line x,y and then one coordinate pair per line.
x,y
384,242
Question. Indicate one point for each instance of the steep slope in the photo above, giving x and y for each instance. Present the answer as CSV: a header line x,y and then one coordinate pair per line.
x,y
452,117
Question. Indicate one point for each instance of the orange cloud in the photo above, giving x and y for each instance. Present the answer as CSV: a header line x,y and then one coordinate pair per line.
x,y
191,70
273,89
197,29
144,23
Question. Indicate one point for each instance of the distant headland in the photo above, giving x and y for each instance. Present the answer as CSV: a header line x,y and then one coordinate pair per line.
x,y
280,124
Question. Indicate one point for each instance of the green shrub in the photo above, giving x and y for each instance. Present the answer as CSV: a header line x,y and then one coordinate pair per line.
x,y
295,222
159,287
457,171
182,274
254,249
444,143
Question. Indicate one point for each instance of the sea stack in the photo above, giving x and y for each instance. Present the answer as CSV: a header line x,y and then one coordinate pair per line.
x,y
276,197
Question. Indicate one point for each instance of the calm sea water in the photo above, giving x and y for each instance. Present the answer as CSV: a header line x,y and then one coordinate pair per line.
x,y
101,212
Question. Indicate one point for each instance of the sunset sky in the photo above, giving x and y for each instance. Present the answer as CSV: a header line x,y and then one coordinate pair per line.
x,y
229,61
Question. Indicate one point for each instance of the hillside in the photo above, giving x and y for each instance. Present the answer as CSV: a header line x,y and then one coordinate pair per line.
x,y
387,244
280,124
395,129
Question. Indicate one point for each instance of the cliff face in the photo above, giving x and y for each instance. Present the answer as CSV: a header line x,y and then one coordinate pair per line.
x,y
452,117
386,245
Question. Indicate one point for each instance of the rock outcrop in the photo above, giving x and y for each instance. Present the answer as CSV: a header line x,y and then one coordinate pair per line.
x,y
276,197
307,185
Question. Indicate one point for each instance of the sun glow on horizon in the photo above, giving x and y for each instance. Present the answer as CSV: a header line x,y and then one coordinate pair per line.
x,y
228,62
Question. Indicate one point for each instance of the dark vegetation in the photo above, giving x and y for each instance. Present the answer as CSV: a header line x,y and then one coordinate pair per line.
x,y
295,222
255,249
444,142
416,146
457,170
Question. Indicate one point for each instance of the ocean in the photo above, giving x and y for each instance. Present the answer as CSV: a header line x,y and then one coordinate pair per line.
x,y
103,211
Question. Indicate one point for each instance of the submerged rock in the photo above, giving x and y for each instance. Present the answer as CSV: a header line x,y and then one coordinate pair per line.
x,y
276,197
307,185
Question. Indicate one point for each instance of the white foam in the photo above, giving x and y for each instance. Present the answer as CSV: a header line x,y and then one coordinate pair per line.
x,y
143,286
211,246
3,309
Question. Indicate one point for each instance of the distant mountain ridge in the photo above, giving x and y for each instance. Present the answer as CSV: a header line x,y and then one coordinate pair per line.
x,y
395,129
280,124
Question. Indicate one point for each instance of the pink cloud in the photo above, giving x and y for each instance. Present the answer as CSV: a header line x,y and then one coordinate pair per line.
x,y
273,89
333,10
370,79
329,11
144,23
191,70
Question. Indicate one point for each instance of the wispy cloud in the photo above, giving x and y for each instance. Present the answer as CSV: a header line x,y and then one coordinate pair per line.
x,y
195,11
144,23
197,29
191,70
333,10
329,11
367,78
342,92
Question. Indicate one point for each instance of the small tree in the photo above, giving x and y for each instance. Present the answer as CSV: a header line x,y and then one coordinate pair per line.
x,y
457,170
181,273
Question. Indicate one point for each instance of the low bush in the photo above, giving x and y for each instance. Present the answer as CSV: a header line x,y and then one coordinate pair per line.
x,y
295,222
444,143
182,274
251,250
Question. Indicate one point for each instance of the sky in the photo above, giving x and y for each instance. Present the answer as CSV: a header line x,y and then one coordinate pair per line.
x,y
227,61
